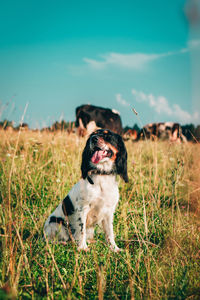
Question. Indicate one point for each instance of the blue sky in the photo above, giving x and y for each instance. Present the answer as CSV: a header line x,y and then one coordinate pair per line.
x,y
56,55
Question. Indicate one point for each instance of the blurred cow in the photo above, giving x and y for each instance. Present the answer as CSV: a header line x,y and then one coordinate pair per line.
x,y
165,131
130,134
90,117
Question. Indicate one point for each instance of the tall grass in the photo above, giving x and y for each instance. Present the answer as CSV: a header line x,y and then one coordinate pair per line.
x,y
156,223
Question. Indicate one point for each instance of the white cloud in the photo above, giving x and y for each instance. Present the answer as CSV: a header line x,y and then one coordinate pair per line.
x,y
161,106
135,61
95,64
129,61
121,101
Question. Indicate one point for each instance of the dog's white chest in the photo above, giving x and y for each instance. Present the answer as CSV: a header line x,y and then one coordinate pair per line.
x,y
102,198
104,190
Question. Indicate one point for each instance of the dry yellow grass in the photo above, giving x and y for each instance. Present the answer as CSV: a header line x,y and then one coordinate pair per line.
x,y
156,222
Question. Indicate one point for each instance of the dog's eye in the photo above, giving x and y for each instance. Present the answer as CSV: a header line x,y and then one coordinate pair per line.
x,y
94,138
110,153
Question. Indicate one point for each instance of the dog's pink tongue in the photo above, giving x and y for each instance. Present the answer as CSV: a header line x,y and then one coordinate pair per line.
x,y
97,156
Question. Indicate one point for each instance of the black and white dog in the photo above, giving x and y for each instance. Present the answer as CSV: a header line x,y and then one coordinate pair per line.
x,y
94,198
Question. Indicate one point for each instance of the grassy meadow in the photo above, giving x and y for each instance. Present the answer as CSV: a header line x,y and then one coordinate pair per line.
x,y
156,223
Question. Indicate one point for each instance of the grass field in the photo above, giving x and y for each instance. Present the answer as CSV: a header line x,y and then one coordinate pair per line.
x,y
156,224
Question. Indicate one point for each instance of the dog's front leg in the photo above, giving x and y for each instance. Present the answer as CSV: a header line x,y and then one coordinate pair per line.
x,y
108,229
81,237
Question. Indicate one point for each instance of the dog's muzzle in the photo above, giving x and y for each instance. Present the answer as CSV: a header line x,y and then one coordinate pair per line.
x,y
101,149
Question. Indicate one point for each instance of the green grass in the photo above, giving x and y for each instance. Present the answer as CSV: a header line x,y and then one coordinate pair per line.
x,y
156,223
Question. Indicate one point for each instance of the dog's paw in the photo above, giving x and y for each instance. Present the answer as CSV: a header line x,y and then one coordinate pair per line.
x,y
63,243
83,247
115,249
91,241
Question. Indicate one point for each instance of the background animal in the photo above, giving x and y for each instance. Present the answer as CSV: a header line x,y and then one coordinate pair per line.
x,y
165,131
90,117
130,134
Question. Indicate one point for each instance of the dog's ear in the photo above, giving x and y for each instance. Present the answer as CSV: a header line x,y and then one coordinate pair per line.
x,y
121,161
86,156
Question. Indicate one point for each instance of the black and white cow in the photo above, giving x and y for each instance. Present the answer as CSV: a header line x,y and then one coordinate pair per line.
x,y
90,117
164,130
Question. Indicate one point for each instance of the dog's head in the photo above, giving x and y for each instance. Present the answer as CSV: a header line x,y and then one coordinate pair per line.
x,y
105,152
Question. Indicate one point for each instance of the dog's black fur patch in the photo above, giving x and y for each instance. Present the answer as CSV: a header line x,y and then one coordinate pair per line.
x,y
57,220
67,206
